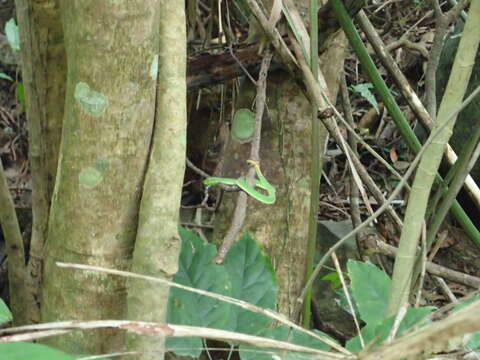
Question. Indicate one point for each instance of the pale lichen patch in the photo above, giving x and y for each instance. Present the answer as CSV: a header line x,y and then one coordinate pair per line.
x,y
93,175
91,101
90,177
154,68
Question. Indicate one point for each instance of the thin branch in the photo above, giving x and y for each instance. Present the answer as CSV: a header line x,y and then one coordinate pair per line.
x,y
434,269
15,251
240,211
352,142
158,329
196,169
240,303
392,196
410,95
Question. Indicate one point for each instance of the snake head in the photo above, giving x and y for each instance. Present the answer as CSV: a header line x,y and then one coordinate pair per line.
x,y
254,164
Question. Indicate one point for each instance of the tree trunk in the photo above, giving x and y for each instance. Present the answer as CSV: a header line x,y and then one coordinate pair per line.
x,y
282,228
111,51
44,73
157,245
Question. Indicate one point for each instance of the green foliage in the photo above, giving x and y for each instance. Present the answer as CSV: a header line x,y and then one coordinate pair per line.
x,y
246,274
370,290
241,11
20,93
474,339
29,351
364,91
197,270
253,280
283,333
5,314
343,302
333,279
243,125
13,35
380,332
5,76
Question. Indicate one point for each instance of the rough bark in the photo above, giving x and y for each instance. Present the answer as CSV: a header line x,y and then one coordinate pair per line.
x,y
44,73
111,50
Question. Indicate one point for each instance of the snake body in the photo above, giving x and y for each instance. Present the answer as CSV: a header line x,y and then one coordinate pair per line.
x,y
241,182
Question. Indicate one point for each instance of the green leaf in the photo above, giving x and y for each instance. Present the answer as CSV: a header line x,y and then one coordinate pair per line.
x,y
246,274
474,338
185,346
253,280
5,314
29,351
474,342
186,308
370,290
368,334
243,125
364,91
333,279
282,333
13,35
411,318
378,333
20,93
463,303
5,76
343,302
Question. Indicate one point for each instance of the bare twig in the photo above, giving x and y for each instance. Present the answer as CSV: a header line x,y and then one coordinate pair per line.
x,y
15,251
152,328
410,95
352,141
435,269
445,289
348,297
196,169
404,42
240,211
315,93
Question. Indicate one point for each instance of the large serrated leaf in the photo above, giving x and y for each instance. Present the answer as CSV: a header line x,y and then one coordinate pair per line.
x,y
380,332
186,308
29,351
282,333
5,314
253,280
370,290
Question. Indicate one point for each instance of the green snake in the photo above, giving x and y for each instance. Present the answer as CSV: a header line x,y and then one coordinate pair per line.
x,y
241,182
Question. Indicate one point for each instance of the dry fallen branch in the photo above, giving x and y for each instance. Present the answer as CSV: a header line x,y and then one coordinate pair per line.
x,y
433,268
34,332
